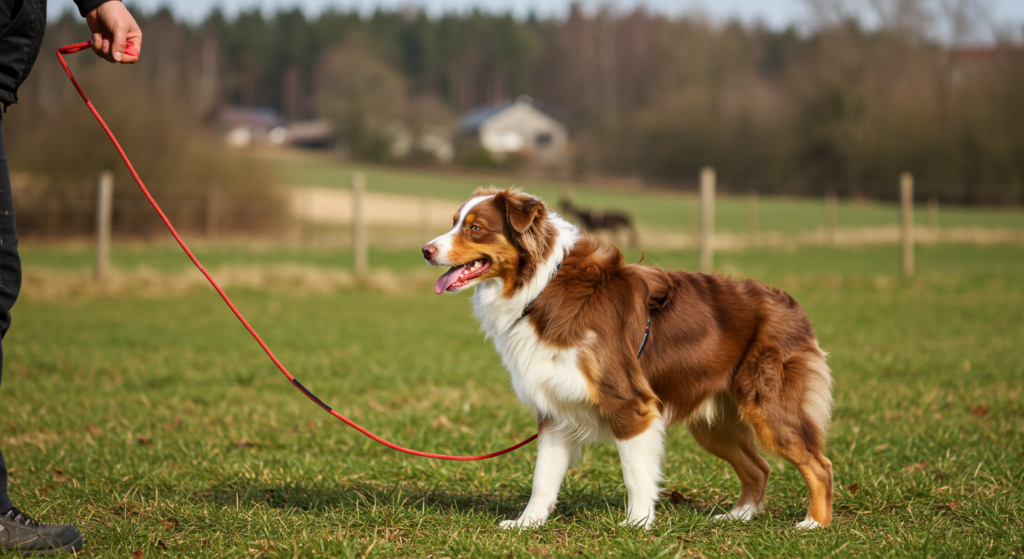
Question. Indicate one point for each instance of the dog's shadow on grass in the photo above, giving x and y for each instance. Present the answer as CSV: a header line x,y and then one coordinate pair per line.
x,y
348,498
360,496
674,500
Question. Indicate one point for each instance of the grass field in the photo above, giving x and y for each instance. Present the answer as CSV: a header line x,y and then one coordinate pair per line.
x,y
653,209
156,424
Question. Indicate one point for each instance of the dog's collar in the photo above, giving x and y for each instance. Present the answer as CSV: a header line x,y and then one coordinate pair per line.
x,y
526,309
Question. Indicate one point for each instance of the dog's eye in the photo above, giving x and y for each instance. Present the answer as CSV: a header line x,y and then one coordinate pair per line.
x,y
474,228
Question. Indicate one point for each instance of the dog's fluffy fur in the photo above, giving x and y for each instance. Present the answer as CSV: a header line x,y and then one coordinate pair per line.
x,y
731,359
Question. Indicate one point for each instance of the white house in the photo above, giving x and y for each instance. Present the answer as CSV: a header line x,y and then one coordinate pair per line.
x,y
519,127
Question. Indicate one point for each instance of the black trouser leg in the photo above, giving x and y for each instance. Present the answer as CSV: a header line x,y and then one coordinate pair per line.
x,y
10,281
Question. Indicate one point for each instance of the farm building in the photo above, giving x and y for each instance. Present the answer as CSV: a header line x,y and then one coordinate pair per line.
x,y
519,127
244,126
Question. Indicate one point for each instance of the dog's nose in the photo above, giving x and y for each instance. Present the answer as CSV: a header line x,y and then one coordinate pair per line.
x,y
429,251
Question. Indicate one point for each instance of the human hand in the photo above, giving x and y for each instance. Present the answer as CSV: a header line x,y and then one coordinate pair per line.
x,y
115,35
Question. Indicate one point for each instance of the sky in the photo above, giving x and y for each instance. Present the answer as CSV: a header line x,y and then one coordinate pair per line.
x,y
1005,14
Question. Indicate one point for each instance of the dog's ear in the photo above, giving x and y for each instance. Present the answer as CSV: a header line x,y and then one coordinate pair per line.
x,y
522,210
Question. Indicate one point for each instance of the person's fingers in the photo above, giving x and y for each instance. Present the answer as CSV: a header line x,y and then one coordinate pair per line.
x,y
120,41
97,43
106,48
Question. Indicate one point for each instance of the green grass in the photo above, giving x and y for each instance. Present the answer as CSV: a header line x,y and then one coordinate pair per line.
x,y
168,256
156,424
653,209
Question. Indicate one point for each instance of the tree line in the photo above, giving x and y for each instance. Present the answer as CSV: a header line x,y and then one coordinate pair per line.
x,y
836,107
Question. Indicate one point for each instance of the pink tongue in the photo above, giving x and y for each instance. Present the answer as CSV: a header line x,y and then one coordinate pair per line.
x,y
446,280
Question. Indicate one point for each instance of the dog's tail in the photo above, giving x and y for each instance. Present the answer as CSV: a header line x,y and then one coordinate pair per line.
x,y
817,399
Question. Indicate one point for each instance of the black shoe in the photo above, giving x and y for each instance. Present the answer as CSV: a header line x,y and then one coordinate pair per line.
x,y
19,532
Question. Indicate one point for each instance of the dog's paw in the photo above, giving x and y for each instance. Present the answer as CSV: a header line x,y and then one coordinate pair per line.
x,y
521,523
641,522
646,521
509,524
742,513
808,524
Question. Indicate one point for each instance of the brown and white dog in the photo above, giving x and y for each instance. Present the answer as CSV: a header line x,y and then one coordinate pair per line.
x,y
731,359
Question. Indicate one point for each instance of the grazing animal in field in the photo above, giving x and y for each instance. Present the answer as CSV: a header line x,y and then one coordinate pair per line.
x,y
596,220
730,359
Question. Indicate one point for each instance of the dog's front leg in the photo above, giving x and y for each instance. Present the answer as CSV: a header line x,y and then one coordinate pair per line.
x,y
555,453
641,457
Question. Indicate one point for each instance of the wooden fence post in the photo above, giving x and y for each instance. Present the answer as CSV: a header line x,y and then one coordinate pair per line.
x,y
104,213
752,218
907,222
707,218
831,215
359,240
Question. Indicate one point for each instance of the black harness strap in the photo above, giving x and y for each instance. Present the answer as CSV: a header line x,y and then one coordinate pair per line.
x,y
647,332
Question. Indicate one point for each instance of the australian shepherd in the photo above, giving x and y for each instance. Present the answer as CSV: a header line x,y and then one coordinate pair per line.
x,y
730,359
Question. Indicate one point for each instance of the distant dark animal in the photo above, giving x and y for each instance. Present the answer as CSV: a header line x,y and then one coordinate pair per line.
x,y
596,220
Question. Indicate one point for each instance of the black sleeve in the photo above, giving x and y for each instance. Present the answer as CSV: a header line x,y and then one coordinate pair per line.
x,y
86,6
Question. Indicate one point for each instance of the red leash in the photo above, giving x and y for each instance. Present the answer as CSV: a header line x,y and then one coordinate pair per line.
x,y
70,49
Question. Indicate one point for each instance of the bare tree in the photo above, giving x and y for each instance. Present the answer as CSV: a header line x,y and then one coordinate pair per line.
x,y
963,20
830,13
911,18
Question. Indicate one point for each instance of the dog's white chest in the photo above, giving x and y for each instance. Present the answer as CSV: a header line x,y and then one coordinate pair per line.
x,y
549,380
542,375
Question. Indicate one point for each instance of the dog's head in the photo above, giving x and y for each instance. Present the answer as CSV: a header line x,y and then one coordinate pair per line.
x,y
500,234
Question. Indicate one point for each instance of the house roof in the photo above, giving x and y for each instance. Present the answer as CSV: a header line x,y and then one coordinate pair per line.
x,y
473,120
265,117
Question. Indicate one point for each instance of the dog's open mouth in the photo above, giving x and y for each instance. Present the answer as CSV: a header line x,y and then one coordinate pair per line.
x,y
459,276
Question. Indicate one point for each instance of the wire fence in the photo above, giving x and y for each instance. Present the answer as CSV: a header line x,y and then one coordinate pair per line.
x,y
359,217
211,216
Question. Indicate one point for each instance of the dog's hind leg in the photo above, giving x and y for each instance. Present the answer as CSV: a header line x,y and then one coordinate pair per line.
x,y
790,410
728,437
555,452
641,456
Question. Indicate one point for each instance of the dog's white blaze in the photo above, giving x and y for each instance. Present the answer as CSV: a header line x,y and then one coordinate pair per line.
x,y
444,242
